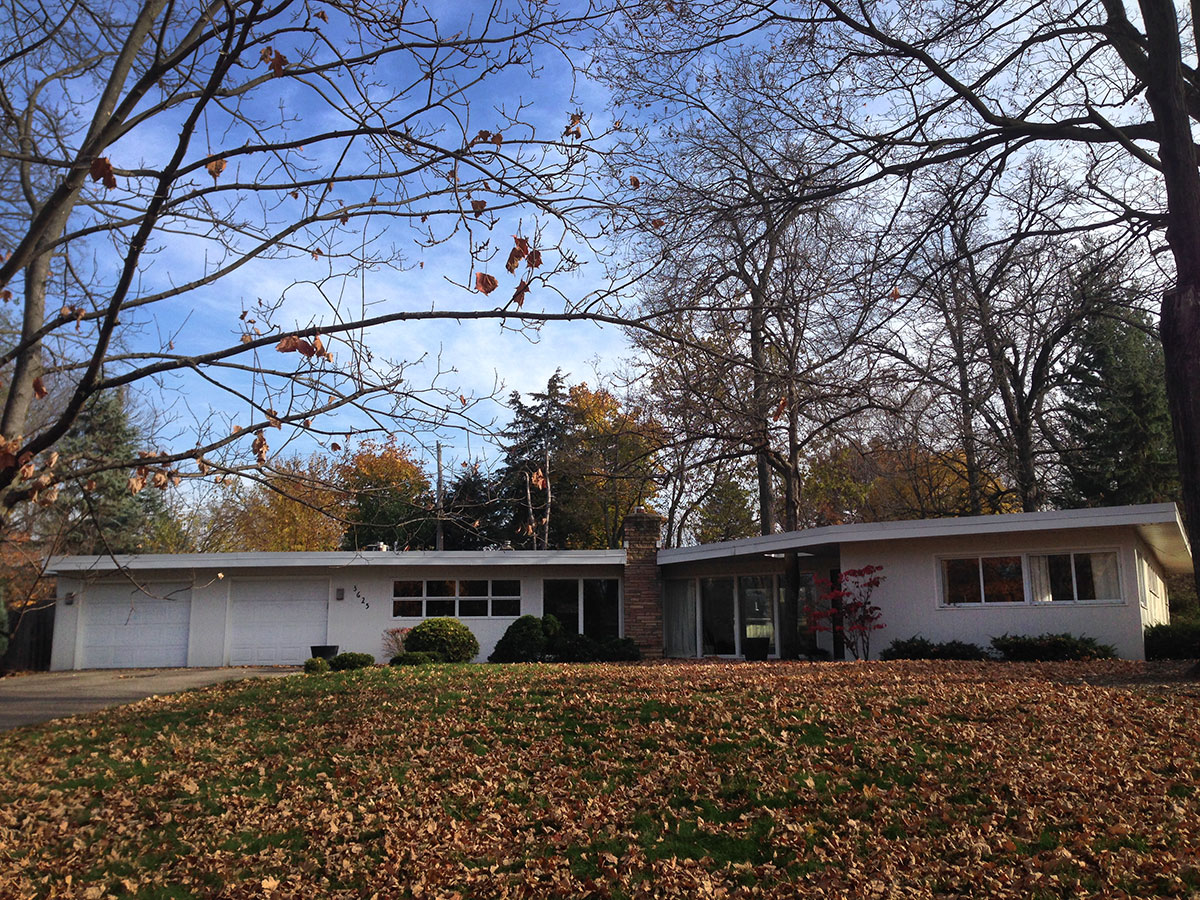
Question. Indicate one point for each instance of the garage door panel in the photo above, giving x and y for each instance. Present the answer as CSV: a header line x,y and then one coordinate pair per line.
x,y
276,622
130,628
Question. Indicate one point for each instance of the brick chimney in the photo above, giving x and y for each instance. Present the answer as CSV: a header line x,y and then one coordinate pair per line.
x,y
643,587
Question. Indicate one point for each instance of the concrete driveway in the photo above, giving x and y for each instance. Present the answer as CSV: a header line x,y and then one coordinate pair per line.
x,y
40,697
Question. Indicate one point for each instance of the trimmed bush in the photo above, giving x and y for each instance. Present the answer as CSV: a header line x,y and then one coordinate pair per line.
x,y
620,650
314,665
447,637
1178,640
344,662
415,658
917,647
1050,648
524,641
576,648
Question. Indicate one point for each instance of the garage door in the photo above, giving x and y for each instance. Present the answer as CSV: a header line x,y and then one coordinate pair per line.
x,y
128,628
275,622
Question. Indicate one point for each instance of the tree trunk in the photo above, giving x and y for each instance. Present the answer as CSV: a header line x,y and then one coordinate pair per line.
x,y
1180,332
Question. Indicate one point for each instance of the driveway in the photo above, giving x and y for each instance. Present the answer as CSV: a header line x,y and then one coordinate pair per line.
x,y
40,697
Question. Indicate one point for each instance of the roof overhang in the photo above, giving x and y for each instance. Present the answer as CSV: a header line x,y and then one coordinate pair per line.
x,y
224,562
1158,525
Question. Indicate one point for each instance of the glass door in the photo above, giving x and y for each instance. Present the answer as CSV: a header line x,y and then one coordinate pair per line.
x,y
756,594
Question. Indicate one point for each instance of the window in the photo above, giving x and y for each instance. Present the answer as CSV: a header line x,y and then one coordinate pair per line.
x,y
983,579
590,606
467,598
1069,577
1074,577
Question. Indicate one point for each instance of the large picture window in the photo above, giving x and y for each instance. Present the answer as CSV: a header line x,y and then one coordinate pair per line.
x,y
473,598
1068,577
590,606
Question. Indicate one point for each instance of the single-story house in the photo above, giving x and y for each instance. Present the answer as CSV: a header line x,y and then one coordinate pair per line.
x,y
1095,572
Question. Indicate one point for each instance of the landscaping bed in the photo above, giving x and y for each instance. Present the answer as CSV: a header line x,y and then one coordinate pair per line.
x,y
903,779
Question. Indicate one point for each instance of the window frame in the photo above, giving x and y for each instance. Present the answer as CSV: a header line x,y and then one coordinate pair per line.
x,y
457,597
1026,579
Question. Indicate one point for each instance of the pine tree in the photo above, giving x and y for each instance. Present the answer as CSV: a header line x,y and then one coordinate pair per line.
x,y
101,514
1121,448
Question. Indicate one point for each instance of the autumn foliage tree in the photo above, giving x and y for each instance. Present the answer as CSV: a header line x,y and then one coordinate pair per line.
x,y
292,505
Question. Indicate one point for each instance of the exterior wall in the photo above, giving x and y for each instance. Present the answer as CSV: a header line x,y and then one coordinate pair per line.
x,y
1156,608
66,624
910,596
359,620
356,622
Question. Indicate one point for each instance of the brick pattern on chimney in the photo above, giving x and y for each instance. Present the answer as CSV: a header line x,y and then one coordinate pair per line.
x,y
643,585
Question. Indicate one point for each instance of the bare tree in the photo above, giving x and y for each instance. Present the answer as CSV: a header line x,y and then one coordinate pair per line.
x,y
882,91
152,152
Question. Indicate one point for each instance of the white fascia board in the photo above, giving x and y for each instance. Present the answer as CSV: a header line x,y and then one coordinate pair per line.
x,y
1150,514
60,565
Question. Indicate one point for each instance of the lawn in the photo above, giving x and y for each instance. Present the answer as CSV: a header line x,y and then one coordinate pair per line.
x,y
671,780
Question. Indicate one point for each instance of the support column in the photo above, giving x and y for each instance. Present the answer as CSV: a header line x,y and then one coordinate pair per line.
x,y
643,586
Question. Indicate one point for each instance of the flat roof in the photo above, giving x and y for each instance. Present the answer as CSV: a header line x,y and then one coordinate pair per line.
x,y
385,559
1158,524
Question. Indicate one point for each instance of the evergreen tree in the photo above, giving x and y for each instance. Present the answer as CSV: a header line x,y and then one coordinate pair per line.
x,y
727,513
475,516
1121,447
575,464
99,512
534,440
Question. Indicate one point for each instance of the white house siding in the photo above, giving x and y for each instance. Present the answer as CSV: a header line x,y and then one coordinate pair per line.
x,y
359,621
910,596
1152,589
266,615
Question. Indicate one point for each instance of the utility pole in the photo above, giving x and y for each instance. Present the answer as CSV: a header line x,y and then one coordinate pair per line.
x,y
441,536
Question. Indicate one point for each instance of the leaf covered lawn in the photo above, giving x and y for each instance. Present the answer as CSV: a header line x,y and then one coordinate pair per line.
x,y
672,780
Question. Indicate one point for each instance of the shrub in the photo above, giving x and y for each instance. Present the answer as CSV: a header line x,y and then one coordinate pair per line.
x,y
552,629
1050,648
1178,640
620,650
314,665
576,648
524,641
917,647
393,641
846,608
449,638
344,662
415,658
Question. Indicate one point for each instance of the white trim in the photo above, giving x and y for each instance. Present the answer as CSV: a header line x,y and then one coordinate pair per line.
x,y
1162,518
456,559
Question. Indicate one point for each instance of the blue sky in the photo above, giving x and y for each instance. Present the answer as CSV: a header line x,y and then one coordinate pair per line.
x,y
475,358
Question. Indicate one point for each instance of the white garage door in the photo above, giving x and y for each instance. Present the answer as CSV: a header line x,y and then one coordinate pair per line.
x,y
124,627
276,621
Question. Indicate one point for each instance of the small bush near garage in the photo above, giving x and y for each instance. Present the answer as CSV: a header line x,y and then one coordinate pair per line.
x,y
314,665
412,658
1050,648
445,636
523,641
917,647
344,662
1178,640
